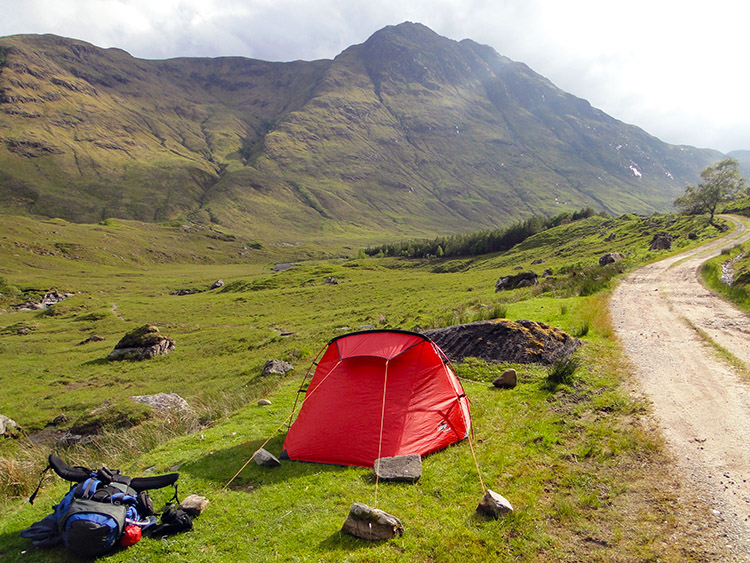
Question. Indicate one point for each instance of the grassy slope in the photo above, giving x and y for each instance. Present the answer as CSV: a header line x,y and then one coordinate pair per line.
x,y
738,292
578,462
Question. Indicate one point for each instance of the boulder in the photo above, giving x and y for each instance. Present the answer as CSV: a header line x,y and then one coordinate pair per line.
x,y
611,237
524,279
194,505
506,341
164,403
494,505
277,367
264,458
692,235
369,523
661,241
92,338
264,403
537,261
407,468
507,380
8,426
332,281
217,284
142,343
610,258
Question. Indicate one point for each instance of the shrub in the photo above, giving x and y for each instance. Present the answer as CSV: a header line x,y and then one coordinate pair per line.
x,y
563,372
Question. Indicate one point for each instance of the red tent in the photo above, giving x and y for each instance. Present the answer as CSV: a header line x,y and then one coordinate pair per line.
x,y
383,382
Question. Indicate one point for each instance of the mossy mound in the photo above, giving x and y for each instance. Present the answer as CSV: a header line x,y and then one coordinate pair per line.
x,y
502,340
142,343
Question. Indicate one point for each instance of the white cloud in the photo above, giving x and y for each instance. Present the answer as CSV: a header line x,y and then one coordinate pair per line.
x,y
673,67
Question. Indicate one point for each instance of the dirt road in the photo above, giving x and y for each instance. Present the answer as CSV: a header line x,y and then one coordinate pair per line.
x,y
700,401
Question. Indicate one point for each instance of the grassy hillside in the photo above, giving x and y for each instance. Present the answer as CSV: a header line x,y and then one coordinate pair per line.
x,y
407,134
578,461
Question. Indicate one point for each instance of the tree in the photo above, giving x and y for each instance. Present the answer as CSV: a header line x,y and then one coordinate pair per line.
x,y
721,182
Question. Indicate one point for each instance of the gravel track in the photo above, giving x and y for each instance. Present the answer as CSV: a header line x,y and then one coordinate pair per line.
x,y
665,319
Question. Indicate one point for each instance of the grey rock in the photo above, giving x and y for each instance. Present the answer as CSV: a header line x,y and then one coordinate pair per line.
x,y
507,380
332,281
524,279
537,261
610,258
371,524
59,419
217,284
142,343
406,468
611,237
164,403
661,241
8,426
264,403
92,338
494,505
194,505
692,235
277,367
264,458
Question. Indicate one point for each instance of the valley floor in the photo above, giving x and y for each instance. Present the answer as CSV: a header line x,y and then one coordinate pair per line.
x,y
691,356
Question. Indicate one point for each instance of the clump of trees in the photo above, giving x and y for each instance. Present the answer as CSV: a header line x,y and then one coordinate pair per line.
x,y
475,244
721,182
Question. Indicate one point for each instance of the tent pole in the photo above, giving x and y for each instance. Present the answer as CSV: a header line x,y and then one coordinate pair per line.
x,y
380,439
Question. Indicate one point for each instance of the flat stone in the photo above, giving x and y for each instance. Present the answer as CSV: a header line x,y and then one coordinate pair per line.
x,y
264,458
406,468
507,380
264,403
494,505
371,524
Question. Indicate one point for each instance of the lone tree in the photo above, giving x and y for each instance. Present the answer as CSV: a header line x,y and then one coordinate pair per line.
x,y
721,182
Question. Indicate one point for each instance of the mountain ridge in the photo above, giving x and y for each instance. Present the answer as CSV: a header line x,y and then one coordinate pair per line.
x,y
408,132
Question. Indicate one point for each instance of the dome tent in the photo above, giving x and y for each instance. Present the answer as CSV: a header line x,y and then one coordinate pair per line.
x,y
375,394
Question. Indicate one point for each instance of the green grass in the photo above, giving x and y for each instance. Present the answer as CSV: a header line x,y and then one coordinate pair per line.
x,y
738,292
575,459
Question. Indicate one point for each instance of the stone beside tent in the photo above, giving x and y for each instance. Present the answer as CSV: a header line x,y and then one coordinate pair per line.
x,y
371,524
404,468
494,505
507,380
142,343
264,458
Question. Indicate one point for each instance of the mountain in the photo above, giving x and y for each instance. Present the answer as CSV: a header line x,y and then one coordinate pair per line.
x,y
743,158
408,133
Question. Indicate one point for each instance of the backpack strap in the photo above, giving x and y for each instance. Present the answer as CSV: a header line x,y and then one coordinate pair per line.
x,y
39,486
87,489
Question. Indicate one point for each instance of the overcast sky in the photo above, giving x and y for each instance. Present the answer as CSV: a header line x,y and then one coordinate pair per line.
x,y
676,68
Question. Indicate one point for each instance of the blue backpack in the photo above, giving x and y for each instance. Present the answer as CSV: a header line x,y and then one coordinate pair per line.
x,y
91,518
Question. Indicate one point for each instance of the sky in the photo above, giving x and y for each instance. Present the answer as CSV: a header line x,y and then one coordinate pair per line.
x,y
676,68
